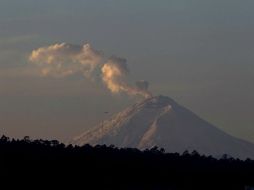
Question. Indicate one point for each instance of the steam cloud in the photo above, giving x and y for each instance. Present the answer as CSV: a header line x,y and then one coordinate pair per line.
x,y
65,59
114,72
60,60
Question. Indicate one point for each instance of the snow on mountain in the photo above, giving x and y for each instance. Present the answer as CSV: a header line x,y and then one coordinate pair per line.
x,y
160,121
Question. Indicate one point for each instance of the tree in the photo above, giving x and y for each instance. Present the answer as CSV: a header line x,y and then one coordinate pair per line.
x,y
54,143
195,153
4,139
27,139
162,150
186,153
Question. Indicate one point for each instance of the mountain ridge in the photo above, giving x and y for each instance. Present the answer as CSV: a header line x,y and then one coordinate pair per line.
x,y
160,121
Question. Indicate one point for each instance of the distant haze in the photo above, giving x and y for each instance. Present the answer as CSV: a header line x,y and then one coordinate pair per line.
x,y
198,52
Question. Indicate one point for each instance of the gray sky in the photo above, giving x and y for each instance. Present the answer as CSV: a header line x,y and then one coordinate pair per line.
x,y
199,52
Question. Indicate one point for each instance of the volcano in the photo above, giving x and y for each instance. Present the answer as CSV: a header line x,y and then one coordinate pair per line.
x,y
160,121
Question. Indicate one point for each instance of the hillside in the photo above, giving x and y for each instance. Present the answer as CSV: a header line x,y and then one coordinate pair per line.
x,y
160,121
46,162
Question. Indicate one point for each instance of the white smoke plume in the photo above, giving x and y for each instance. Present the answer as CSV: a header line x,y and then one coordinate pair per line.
x,y
60,60
66,59
114,72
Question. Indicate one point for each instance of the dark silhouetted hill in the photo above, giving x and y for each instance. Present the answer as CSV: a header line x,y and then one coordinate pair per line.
x,y
106,167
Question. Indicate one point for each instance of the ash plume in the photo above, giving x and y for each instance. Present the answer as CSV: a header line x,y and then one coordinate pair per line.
x,y
114,72
62,59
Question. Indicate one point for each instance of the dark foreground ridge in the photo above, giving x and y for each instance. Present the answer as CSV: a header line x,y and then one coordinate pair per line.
x,y
101,167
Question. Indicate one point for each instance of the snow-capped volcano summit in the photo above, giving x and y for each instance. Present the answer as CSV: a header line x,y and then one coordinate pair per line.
x,y
160,121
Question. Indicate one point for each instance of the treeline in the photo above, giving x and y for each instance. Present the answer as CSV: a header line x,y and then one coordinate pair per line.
x,y
109,167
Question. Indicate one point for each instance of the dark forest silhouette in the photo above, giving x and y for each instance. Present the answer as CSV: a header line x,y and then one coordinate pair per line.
x,y
110,167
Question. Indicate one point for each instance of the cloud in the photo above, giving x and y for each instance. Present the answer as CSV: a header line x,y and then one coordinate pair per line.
x,y
62,59
114,72
66,59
